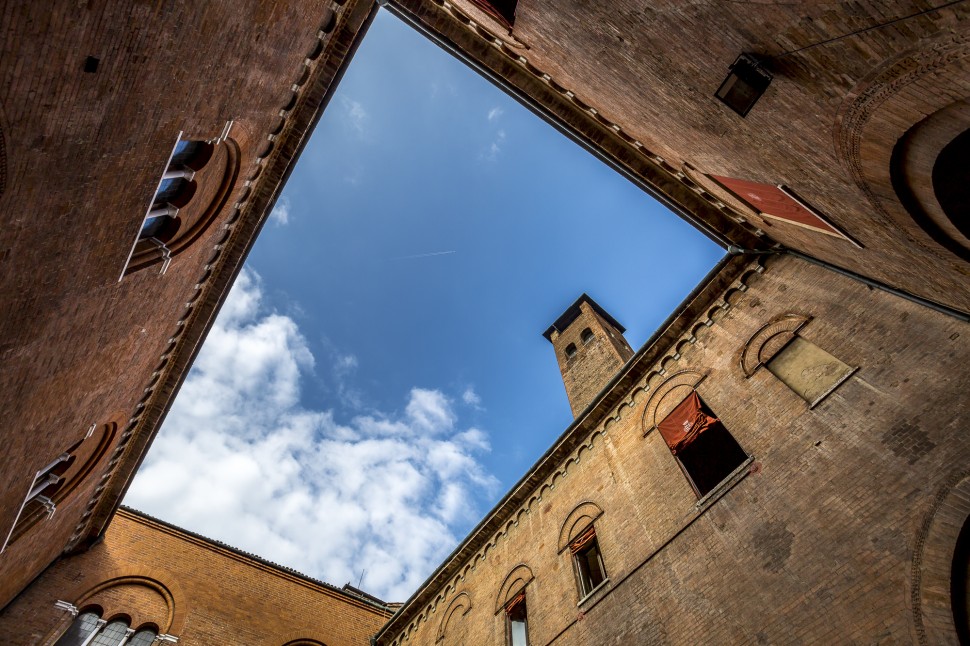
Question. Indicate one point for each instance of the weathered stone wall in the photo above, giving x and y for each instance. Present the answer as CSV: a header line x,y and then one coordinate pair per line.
x,y
815,541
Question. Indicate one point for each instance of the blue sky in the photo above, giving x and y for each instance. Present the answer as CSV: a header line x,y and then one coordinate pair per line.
x,y
380,363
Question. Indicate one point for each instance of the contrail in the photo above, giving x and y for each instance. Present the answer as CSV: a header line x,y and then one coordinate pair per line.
x,y
425,255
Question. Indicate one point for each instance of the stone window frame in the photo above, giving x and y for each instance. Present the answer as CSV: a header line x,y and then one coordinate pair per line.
x,y
583,517
689,380
775,336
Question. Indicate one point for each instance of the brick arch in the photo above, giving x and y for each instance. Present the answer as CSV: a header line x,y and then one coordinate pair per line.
x,y
516,580
879,111
461,603
299,641
668,393
933,562
159,582
581,517
206,208
768,340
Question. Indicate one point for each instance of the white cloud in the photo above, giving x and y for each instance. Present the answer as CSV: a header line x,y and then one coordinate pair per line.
x,y
240,460
495,113
280,214
357,116
471,398
495,148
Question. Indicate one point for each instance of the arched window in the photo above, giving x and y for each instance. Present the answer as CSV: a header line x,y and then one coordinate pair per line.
x,y
81,630
192,190
88,629
570,350
587,335
56,481
587,562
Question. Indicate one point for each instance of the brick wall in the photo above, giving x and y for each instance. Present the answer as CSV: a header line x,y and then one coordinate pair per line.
x,y
814,542
636,80
83,155
201,592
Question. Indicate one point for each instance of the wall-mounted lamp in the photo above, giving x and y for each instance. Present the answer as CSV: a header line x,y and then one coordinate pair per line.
x,y
746,81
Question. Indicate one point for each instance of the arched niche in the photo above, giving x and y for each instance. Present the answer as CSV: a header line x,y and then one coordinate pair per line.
x,y
458,608
889,144
581,517
768,340
213,184
941,553
930,172
668,393
514,583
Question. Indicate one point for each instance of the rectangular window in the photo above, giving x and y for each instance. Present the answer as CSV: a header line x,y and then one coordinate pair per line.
x,y
590,572
705,450
518,625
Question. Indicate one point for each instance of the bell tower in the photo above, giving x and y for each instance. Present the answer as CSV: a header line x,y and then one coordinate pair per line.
x,y
590,349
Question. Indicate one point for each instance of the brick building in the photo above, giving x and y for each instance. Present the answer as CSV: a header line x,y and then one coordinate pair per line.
x,y
824,144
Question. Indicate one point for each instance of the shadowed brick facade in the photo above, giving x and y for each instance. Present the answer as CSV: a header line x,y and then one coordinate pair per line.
x,y
840,526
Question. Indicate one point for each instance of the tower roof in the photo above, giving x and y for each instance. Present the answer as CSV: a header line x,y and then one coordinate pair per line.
x,y
572,313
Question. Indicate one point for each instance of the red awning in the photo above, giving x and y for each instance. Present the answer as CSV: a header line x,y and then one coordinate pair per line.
x,y
685,423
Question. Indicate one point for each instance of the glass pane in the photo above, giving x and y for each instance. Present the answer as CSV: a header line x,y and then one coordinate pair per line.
x,y
168,189
151,227
142,638
81,628
183,150
518,632
111,635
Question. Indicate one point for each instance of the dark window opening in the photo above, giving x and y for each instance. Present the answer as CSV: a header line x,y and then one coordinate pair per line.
x,y
501,10
960,585
951,181
590,571
704,448
192,155
587,335
571,350
518,625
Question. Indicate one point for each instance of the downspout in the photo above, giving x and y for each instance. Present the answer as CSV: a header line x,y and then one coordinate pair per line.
x,y
735,250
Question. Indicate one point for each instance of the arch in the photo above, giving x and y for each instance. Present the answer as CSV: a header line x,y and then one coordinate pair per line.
x,y
768,340
515,582
157,581
668,393
877,119
215,181
302,641
928,171
461,603
933,562
581,517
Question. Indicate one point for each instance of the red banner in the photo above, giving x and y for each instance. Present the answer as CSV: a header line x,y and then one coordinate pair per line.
x,y
685,423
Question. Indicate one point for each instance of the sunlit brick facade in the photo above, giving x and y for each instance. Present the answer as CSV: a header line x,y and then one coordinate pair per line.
x,y
831,344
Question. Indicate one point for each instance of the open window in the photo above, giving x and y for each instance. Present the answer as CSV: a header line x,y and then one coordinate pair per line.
x,y
705,450
587,562
517,621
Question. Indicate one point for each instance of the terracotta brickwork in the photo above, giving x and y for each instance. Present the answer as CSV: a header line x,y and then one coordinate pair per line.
x,y
589,350
815,539
637,80
196,590
84,144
